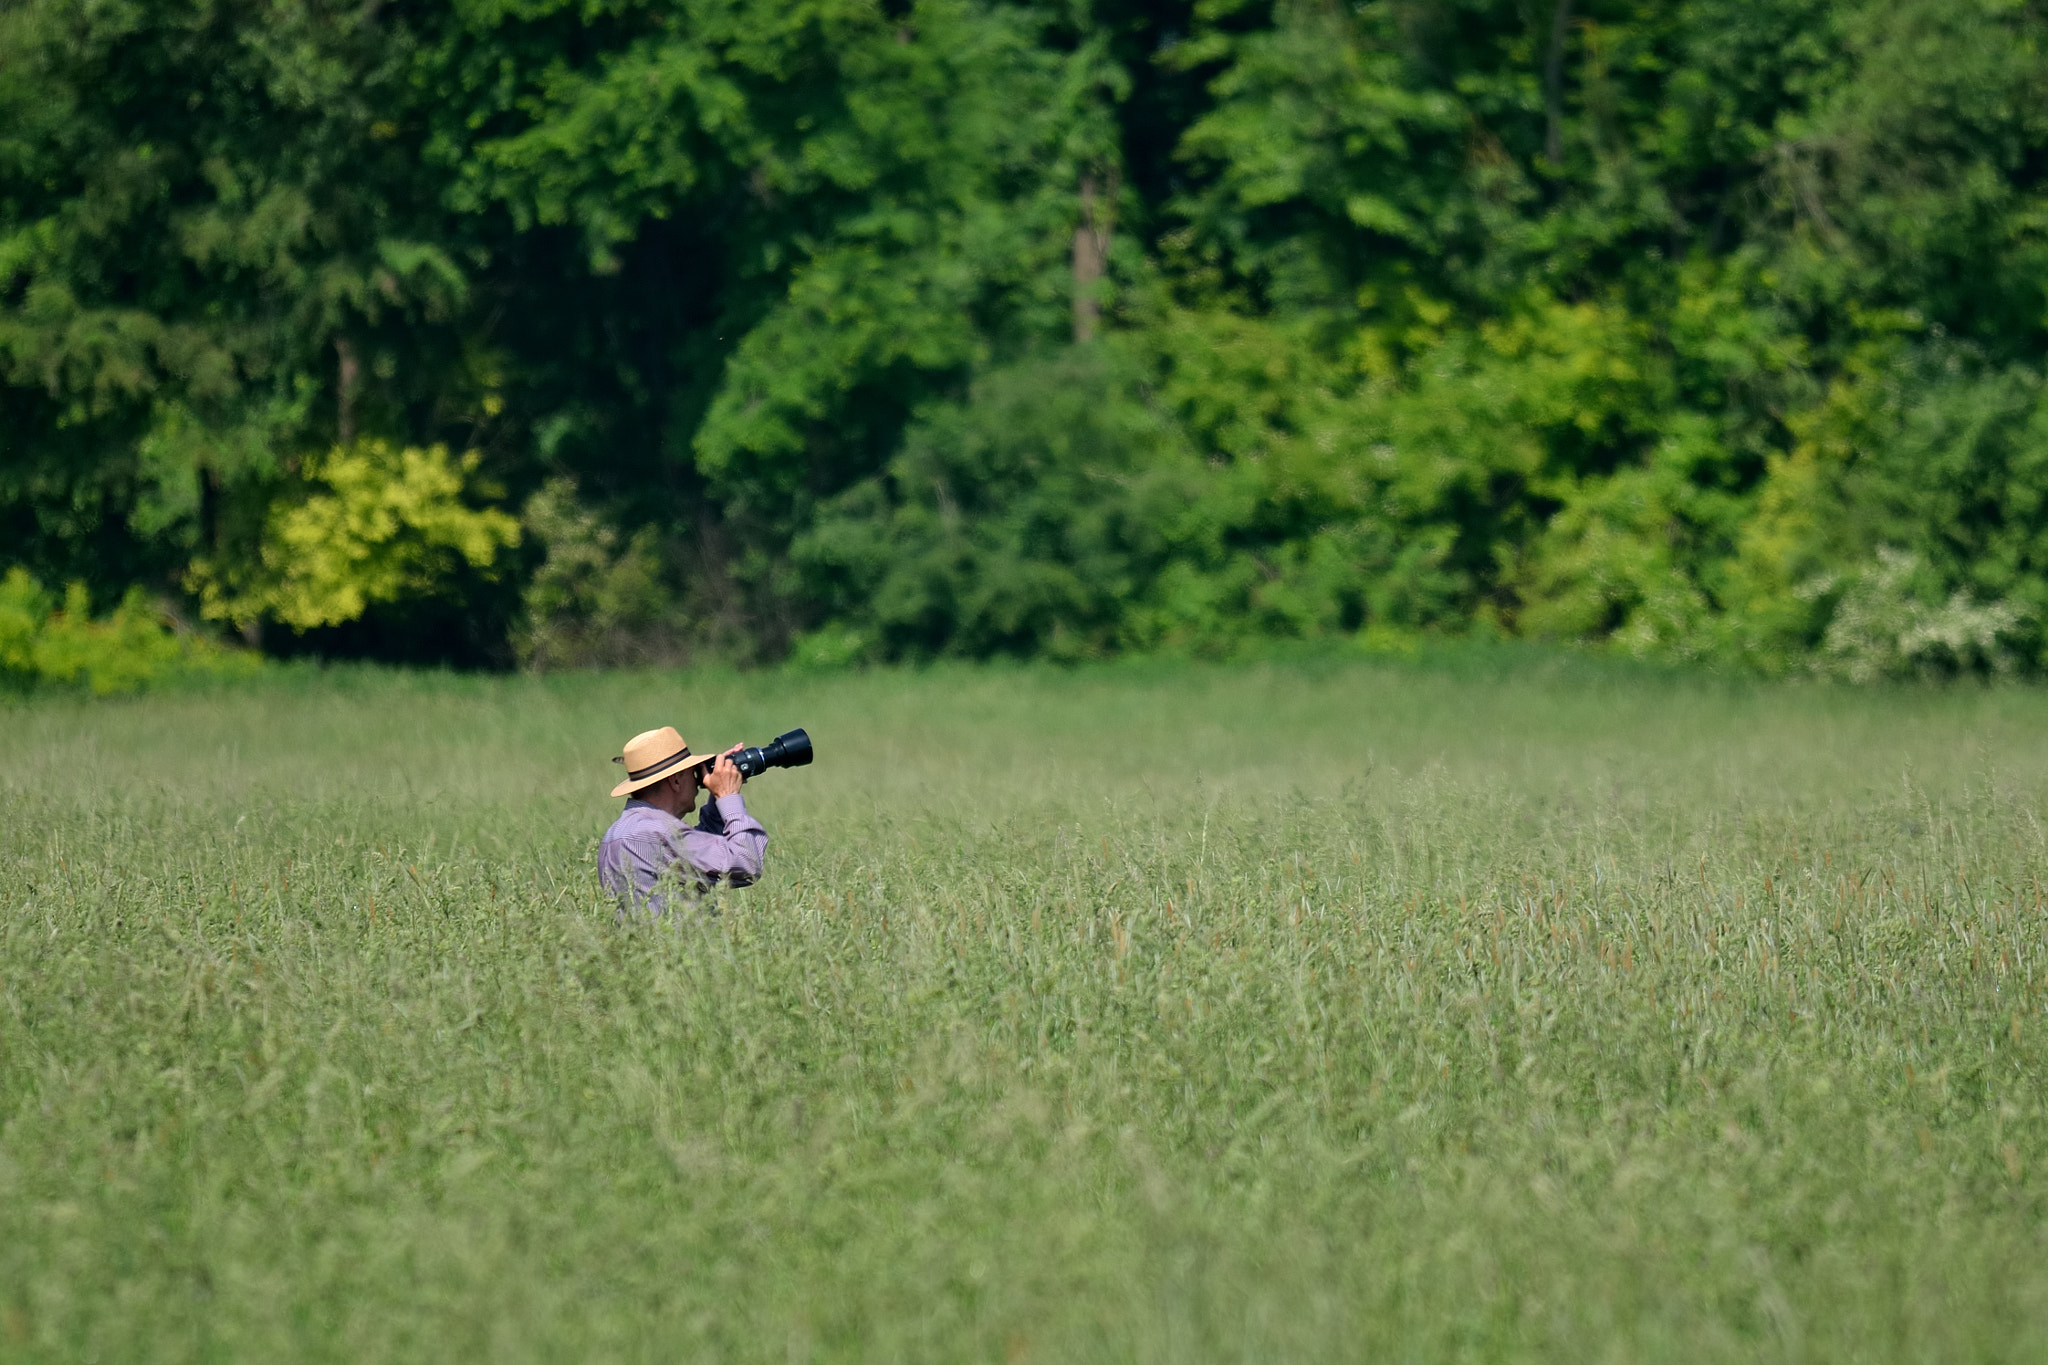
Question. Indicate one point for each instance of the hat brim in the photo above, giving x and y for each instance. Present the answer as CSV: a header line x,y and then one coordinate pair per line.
x,y
630,786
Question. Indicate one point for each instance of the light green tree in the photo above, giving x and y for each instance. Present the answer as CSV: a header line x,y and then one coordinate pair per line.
x,y
375,524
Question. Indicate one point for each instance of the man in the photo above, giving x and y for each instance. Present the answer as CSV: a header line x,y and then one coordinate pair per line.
x,y
650,860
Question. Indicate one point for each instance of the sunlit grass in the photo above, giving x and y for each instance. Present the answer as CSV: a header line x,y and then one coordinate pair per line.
x,y
1484,1007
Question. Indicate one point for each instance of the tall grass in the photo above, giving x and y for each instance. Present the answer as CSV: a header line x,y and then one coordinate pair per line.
x,y
1458,1010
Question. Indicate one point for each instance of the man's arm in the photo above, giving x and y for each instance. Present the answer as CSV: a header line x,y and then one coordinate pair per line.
x,y
733,846
736,852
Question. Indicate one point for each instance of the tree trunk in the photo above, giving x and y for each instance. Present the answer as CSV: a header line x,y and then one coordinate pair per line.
x,y
1553,83
1091,257
349,373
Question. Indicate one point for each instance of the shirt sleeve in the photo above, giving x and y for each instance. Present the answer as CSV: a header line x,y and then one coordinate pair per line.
x,y
736,852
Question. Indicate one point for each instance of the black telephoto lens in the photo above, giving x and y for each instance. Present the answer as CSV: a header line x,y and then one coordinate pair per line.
x,y
792,750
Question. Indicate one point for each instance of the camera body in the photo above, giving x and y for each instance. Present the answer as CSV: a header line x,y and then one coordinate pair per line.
x,y
792,750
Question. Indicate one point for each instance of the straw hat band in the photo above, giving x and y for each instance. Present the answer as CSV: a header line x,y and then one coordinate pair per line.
x,y
635,774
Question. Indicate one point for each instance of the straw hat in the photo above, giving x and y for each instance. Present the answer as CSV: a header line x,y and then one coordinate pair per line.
x,y
653,755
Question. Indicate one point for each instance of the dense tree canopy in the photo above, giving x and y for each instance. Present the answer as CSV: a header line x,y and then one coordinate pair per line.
x,y
892,328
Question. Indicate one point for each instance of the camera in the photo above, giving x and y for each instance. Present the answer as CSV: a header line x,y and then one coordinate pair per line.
x,y
792,750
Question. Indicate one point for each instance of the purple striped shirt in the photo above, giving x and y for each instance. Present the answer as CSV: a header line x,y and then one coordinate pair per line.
x,y
651,861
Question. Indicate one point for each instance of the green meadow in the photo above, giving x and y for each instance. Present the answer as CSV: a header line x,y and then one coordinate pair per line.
x,y
1487,1006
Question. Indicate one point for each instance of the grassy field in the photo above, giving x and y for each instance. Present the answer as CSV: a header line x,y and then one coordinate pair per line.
x,y
1490,1007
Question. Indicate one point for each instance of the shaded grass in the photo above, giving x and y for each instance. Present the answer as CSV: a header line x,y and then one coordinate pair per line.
x,y
1501,1006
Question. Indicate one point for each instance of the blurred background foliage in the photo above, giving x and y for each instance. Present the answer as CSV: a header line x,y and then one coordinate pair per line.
x,y
524,331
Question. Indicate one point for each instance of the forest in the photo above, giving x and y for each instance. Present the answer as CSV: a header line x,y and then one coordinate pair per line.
x,y
523,333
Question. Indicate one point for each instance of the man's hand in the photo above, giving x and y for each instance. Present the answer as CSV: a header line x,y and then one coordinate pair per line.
x,y
724,778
